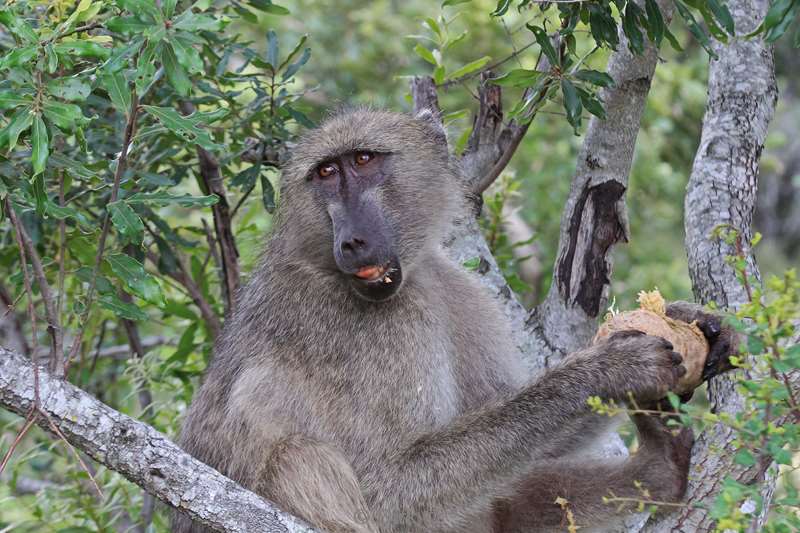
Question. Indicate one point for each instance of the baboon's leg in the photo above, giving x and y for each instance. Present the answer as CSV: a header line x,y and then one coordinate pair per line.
x,y
314,481
658,471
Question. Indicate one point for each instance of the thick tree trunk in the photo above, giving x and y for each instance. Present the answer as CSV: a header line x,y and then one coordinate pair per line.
x,y
722,190
140,453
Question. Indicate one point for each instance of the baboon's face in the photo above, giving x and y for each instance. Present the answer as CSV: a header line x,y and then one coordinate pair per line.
x,y
368,194
363,231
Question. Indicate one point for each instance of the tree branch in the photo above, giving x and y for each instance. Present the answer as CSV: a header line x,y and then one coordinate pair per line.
x,y
595,216
140,453
722,189
223,226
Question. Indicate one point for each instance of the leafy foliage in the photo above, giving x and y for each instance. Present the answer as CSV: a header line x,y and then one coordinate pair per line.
x,y
126,128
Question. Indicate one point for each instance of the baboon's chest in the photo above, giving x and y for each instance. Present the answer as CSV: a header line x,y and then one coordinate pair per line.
x,y
392,390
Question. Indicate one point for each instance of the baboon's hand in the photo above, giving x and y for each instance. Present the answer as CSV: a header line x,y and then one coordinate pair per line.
x,y
639,367
723,341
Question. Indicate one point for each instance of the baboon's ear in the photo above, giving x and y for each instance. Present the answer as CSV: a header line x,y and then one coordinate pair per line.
x,y
433,120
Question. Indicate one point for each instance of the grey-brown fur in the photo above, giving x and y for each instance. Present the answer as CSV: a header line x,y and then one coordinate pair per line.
x,y
412,414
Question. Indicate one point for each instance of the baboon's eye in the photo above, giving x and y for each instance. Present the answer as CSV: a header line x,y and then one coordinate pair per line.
x,y
327,170
362,158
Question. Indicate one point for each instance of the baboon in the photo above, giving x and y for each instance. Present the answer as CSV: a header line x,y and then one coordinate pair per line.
x,y
367,383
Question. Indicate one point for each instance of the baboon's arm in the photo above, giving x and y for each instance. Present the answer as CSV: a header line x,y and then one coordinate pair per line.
x,y
458,472
455,474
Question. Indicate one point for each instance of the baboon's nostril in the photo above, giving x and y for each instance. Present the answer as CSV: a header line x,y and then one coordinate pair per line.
x,y
353,245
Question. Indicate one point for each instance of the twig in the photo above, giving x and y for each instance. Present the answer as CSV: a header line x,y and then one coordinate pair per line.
x,y
122,161
487,68
185,279
58,360
51,313
212,249
28,289
83,464
10,304
29,421
211,180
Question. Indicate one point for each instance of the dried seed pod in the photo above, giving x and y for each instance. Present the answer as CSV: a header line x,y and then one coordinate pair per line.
x,y
687,339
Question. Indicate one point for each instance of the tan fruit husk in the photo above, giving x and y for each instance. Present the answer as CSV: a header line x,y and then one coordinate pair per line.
x,y
651,319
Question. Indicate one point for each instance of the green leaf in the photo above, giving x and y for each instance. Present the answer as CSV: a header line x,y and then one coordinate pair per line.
x,y
434,26
776,13
300,117
71,88
10,99
438,74
52,58
294,51
120,56
145,66
194,22
65,116
117,88
184,127
744,457
127,25
472,263
147,8
71,166
63,212
272,48
722,14
267,194
595,77
18,57
695,29
127,222
168,7
269,7
294,67
630,27
454,2
673,41
18,26
425,54
572,104
655,21
246,179
20,121
592,104
82,49
544,43
164,198
774,33
102,284
185,345
186,54
126,310
469,68
603,27
502,7
518,78
133,274
40,145
175,74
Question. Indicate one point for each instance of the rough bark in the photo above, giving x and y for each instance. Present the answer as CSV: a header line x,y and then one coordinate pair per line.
x,y
140,453
595,217
722,190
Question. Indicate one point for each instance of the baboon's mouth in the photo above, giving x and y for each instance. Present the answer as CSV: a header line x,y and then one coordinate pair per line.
x,y
374,273
377,283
